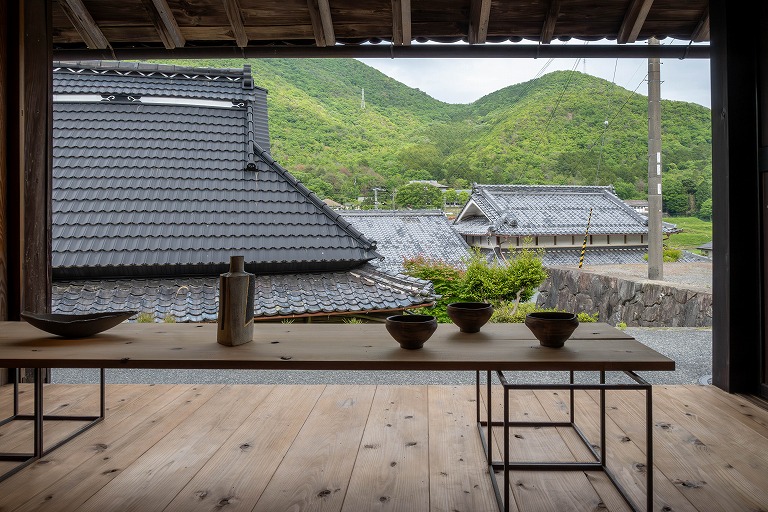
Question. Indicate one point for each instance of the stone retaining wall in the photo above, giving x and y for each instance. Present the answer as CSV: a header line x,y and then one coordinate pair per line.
x,y
635,302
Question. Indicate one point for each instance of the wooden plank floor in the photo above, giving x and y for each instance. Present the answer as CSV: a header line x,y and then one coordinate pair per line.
x,y
360,448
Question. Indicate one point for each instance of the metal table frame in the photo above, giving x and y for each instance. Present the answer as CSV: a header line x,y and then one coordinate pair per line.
x,y
485,427
38,417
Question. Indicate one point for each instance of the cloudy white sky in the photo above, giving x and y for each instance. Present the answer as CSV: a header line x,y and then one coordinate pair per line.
x,y
466,80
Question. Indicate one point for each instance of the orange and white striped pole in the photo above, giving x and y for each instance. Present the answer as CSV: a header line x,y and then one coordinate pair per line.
x,y
586,235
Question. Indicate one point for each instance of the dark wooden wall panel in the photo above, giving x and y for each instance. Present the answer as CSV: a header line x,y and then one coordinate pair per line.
x,y
737,203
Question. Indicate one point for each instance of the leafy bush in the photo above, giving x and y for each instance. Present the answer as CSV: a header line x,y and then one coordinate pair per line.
x,y
510,282
506,313
145,317
669,255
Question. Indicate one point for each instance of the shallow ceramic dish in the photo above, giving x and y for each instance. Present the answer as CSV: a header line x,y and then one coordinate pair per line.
x,y
76,326
411,331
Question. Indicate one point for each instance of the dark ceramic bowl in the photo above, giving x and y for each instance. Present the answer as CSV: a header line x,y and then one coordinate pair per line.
x,y
411,331
470,316
76,326
551,328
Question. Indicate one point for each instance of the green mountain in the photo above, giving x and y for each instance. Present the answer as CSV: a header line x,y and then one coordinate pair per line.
x,y
551,130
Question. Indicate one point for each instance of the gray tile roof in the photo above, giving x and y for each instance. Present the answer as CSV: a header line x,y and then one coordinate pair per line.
x,y
605,256
530,210
155,190
189,299
403,234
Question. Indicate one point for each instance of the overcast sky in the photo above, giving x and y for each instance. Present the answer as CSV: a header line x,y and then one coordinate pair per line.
x,y
466,80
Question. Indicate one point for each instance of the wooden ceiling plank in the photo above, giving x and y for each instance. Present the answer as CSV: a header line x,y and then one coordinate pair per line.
x,y
479,18
83,22
633,21
701,32
165,23
548,30
235,16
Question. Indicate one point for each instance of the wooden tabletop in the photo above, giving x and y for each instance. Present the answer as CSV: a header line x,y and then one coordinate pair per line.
x,y
593,346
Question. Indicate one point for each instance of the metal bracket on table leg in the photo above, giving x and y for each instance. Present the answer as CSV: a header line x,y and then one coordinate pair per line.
x,y
39,418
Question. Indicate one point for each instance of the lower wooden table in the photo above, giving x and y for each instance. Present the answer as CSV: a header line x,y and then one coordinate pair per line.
x,y
497,348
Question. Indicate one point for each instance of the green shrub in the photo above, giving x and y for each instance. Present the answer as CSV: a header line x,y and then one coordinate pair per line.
x,y
510,282
621,326
352,320
145,317
669,255
169,319
506,313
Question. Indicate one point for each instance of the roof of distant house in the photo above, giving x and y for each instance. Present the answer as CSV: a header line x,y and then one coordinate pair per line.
x,y
540,210
166,171
401,234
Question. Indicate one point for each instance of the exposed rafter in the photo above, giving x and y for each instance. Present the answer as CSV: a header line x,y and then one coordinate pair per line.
x,y
401,22
479,17
235,16
633,21
83,22
548,30
701,32
322,22
165,23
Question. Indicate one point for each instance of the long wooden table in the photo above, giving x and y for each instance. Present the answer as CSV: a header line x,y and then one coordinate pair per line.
x,y
497,348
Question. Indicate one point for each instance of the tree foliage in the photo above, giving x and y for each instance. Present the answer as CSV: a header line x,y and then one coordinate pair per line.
x,y
550,130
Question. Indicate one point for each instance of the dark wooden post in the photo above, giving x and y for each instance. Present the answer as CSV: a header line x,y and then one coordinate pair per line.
x,y
3,171
27,77
738,260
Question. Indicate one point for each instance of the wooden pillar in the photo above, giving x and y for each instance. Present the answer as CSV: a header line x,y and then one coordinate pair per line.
x,y
29,159
26,114
3,171
762,98
737,329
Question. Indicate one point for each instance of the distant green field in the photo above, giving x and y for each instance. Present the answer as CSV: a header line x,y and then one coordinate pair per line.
x,y
695,232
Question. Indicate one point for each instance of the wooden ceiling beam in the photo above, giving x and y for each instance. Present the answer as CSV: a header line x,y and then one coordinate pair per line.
x,y
479,17
83,22
701,32
401,22
634,20
165,23
322,22
548,30
235,16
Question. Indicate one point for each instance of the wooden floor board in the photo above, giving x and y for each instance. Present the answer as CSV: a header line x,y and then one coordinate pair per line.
x,y
236,476
265,448
392,467
314,474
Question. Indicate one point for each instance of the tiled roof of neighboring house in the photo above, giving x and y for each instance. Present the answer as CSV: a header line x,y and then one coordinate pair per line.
x,y
403,234
190,299
146,189
605,256
530,210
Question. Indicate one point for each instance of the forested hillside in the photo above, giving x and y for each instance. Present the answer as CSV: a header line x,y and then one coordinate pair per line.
x,y
551,130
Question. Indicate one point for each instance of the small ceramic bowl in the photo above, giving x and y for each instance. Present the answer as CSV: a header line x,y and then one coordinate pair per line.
x,y
470,316
551,328
411,331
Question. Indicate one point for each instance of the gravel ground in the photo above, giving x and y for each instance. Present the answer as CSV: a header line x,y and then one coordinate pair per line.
x,y
691,348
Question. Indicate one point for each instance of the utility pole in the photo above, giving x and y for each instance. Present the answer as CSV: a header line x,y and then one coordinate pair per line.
x,y
655,242
376,197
